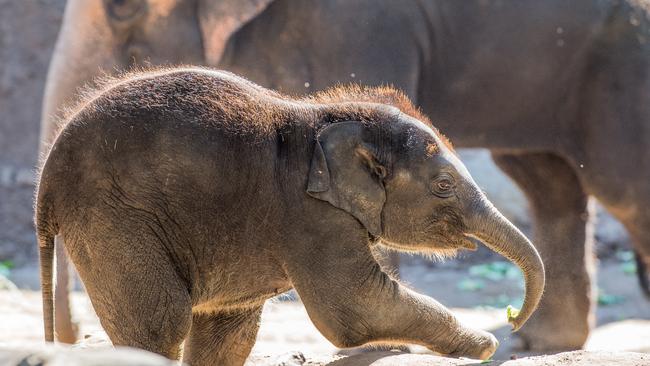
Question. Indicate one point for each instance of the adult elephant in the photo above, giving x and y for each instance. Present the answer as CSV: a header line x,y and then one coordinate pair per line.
x,y
557,90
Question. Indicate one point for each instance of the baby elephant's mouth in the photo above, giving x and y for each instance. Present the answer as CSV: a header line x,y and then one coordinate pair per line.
x,y
470,242
439,247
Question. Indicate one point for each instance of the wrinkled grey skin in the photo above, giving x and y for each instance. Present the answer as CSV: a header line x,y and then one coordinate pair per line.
x,y
556,89
186,198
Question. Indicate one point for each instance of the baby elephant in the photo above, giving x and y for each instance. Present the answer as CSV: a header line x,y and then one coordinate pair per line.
x,y
187,197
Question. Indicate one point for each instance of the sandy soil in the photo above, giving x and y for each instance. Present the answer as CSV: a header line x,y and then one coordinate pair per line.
x,y
288,337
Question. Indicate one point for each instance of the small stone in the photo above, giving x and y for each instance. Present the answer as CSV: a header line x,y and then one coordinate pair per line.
x,y
25,177
6,174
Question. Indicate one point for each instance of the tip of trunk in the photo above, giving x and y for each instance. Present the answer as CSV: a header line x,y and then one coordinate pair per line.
x,y
500,235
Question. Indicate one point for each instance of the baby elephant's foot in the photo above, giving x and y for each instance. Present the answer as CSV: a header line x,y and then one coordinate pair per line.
x,y
476,344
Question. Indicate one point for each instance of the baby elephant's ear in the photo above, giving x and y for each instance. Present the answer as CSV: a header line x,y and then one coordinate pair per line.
x,y
346,173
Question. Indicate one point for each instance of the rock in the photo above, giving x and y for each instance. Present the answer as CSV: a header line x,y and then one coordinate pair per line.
x,y
5,284
295,358
575,358
62,356
584,358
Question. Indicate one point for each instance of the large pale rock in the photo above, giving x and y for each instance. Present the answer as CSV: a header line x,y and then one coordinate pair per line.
x,y
576,358
60,356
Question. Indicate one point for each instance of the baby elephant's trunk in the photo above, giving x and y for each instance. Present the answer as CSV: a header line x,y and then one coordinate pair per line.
x,y
497,233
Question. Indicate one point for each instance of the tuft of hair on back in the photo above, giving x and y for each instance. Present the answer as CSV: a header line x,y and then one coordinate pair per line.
x,y
384,94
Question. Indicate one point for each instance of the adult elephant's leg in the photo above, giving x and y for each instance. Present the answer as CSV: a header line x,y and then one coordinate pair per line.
x,y
632,213
222,338
66,330
563,237
643,272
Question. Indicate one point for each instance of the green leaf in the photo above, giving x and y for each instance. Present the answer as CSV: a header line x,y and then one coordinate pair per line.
x,y
496,271
470,285
607,299
512,313
629,268
4,272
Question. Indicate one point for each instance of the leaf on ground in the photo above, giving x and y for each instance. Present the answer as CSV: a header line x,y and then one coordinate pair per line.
x,y
502,301
470,285
605,299
496,271
629,268
5,268
512,313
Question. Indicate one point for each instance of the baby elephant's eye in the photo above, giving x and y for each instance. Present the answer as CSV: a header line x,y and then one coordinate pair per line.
x,y
443,186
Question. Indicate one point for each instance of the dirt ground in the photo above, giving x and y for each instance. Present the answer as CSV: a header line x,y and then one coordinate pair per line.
x,y
478,295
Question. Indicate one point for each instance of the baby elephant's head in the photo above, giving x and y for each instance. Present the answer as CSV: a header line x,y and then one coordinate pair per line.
x,y
404,183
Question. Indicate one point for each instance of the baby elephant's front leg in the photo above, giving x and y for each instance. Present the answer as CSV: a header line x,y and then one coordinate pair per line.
x,y
440,329
352,302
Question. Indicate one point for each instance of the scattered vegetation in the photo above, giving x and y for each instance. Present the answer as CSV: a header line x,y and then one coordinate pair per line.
x,y
480,275
606,299
512,313
5,267
626,257
496,271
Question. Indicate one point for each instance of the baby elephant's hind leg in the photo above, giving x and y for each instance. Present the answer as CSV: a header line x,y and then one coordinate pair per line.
x,y
157,320
222,338
140,299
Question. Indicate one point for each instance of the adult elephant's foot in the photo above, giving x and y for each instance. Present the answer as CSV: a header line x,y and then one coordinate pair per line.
x,y
643,272
562,323
564,240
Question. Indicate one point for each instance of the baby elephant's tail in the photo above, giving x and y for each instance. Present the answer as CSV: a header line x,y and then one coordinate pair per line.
x,y
46,251
46,231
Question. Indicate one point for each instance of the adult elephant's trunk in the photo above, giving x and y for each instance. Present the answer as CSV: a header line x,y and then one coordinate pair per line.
x,y
84,47
497,233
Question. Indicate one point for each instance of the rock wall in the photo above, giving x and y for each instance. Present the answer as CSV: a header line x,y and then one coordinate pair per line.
x,y
28,30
